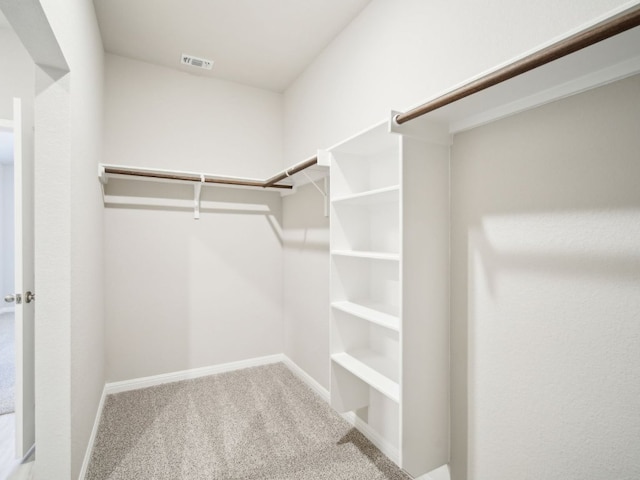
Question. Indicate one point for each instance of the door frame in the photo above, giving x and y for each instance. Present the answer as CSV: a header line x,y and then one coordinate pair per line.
x,y
52,107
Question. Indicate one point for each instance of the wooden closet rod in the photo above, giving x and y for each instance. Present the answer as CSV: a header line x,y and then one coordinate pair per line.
x,y
193,178
601,31
270,182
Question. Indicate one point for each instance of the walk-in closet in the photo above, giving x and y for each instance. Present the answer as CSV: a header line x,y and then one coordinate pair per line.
x,y
322,240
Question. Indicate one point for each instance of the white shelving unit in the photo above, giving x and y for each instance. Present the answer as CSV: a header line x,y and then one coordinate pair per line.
x,y
389,290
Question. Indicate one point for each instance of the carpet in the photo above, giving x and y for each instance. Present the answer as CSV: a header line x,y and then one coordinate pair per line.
x,y
257,423
7,363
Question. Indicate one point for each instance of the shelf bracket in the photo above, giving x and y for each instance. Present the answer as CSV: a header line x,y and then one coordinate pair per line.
x,y
323,191
102,175
197,190
103,178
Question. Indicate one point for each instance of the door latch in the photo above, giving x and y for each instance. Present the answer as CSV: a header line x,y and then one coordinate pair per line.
x,y
14,298
28,298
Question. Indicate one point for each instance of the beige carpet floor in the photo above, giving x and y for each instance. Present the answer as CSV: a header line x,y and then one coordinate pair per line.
x,y
258,423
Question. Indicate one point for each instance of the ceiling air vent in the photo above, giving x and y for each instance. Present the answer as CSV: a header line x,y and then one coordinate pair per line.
x,y
196,62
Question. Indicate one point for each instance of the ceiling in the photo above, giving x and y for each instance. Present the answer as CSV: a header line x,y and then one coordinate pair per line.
x,y
262,43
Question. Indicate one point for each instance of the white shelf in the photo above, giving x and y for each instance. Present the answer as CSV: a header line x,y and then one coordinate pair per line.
x,y
374,313
373,369
370,197
372,255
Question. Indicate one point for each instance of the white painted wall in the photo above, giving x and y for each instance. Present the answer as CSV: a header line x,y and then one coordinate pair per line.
x,y
546,275
159,117
69,243
183,293
306,282
396,55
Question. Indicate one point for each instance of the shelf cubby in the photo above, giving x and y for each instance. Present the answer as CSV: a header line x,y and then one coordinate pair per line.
x,y
365,227
365,281
362,166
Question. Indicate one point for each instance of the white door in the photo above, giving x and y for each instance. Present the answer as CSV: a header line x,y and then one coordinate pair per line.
x,y
24,276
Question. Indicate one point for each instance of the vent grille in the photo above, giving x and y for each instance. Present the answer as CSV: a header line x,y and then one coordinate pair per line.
x,y
196,62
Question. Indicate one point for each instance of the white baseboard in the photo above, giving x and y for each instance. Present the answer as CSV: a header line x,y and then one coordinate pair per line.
x,y
92,437
144,382
306,378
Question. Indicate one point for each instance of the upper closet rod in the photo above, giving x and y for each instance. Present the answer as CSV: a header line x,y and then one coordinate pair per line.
x,y
597,33
192,178
601,31
270,182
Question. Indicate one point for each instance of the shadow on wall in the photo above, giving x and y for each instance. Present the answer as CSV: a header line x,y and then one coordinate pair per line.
x,y
545,263
579,245
146,195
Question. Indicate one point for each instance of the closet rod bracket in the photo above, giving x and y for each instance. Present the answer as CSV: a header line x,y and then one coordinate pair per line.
x,y
197,190
102,174
323,191
103,178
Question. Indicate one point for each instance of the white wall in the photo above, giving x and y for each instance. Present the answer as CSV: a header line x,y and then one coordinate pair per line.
x,y
159,117
306,282
183,293
87,238
396,55
545,277
69,243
